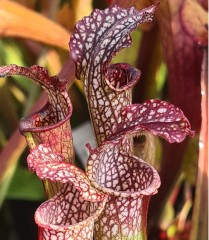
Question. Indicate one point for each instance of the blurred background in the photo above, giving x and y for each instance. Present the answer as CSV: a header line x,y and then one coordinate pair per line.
x,y
37,32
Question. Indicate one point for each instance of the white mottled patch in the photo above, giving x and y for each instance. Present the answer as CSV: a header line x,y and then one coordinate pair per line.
x,y
101,102
108,114
108,18
81,27
97,59
83,35
88,46
93,26
162,110
76,35
129,116
95,82
106,25
143,109
99,17
152,112
125,231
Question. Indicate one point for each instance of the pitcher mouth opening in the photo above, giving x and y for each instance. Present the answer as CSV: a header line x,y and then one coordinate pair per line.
x,y
30,123
121,76
44,213
122,174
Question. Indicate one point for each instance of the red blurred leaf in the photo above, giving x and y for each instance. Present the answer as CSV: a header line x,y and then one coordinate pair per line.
x,y
123,3
200,211
194,20
183,58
